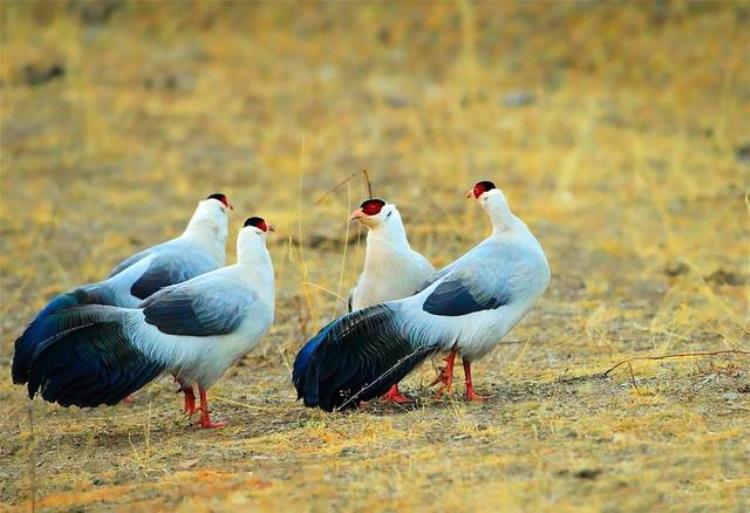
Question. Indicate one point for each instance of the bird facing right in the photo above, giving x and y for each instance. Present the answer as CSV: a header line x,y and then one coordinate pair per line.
x,y
468,307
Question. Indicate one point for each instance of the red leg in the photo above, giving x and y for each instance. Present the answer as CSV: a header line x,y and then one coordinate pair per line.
x,y
186,389
395,396
446,373
189,399
205,420
471,394
129,400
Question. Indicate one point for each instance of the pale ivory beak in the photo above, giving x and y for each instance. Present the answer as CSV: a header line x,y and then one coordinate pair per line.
x,y
357,214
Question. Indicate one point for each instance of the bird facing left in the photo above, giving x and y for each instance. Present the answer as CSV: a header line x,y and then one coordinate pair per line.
x,y
93,354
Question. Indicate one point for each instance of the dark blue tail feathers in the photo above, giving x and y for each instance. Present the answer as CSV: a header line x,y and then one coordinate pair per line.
x,y
40,329
302,359
356,358
87,360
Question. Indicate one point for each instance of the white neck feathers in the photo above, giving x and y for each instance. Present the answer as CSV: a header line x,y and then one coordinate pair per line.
x,y
254,261
496,206
390,231
208,228
251,248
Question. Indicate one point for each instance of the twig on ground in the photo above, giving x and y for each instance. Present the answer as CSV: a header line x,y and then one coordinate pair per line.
x,y
632,378
676,355
242,405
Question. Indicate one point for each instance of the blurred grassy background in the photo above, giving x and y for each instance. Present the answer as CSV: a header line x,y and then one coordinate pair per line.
x,y
619,132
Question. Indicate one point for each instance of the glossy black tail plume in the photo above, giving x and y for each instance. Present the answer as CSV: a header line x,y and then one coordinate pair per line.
x,y
39,329
86,358
356,358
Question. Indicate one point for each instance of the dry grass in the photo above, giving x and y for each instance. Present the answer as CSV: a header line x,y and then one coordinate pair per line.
x,y
626,163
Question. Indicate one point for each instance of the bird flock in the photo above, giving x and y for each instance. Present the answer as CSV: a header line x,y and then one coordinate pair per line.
x,y
177,309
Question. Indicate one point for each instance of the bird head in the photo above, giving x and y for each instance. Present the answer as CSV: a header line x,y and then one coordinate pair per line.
x,y
222,199
211,216
257,226
374,213
251,241
494,203
482,191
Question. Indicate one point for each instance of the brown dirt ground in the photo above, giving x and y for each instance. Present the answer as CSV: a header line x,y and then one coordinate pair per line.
x,y
619,132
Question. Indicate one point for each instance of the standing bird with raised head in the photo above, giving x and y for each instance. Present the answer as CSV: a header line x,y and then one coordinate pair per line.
x,y
393,270
467,308
92,355
201,248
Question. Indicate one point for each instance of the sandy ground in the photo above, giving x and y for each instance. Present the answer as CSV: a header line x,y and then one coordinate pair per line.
x,y
619,133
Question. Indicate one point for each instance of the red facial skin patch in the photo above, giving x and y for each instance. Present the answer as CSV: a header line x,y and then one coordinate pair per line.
x,y
258,222
221,197
372,207
482,187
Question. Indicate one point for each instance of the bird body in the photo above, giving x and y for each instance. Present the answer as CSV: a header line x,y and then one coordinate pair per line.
x,y
467,307
480,297
230,310
93,354
198,250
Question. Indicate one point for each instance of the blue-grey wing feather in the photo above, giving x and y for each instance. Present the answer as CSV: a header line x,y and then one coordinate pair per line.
x,y
197,310
130,261
170,267
483,280
462,294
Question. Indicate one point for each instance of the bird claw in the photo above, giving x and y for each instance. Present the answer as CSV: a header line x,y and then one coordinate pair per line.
x,y
471,395
445,378
205,420
446,374
395,396
206,423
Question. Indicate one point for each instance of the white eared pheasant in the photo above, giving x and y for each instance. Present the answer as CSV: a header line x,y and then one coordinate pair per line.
x,y
92,355
200,249
468,307
392,269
